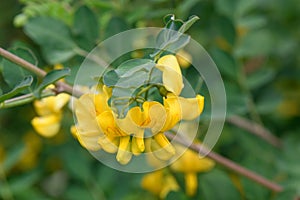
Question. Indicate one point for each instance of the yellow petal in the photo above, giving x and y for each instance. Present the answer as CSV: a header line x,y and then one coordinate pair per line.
x,y
191,183
106,120
129,126
44,106
90,143
47,126
58,66
124,155
157,115
153,182
74,132
191,107
159,183
169,185
172,77
135,149
109,145
159,152
174,110
51,105
161,139
190,161
86,114
100,102
153,116
60,101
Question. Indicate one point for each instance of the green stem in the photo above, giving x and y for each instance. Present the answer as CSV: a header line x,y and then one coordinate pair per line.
x,y
24,99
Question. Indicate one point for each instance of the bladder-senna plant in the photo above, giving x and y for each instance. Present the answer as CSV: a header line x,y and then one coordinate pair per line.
x,y
100,127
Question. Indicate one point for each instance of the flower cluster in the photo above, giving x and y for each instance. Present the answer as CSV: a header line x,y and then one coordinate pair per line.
x,y
49,110
99,127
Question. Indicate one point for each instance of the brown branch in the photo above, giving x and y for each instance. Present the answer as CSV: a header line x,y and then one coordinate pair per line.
x,y
60,86
226,162
256,129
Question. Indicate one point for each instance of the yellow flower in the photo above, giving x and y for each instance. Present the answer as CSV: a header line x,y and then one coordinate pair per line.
x,y
159,183
98,126
172,77
49,110
190,163
48,125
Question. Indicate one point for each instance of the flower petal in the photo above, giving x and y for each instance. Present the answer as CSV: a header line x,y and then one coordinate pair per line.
x,y
47,126
191,107
106,120
109,144
172,77
124,155
161,139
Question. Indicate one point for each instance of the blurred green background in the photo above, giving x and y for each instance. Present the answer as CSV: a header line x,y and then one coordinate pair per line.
x,y
255,45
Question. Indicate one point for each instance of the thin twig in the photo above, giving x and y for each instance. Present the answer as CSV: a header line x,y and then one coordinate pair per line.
x,y
60,86
256,129
225,162
20,61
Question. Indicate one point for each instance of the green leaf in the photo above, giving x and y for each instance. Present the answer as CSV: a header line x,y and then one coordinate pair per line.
x,y
25,83
186,25
115,26
174,24
13,74
53,36
51,78
128,77
86,29
168,18
208,183
171,38
130,73
225,63
110,78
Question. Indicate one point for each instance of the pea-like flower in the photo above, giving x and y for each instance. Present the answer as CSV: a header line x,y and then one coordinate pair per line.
x,y
49,110
99,127
161,182
190,163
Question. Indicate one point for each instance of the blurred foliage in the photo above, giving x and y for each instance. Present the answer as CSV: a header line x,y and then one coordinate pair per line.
x,y
255,45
